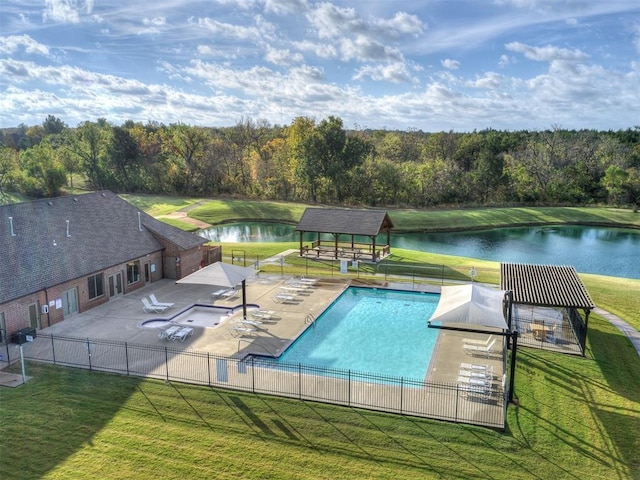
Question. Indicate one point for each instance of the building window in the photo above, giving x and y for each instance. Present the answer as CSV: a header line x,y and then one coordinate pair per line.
x,y
96,286
133,272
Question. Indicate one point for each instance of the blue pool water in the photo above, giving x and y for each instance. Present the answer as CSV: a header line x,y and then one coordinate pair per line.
x,y
374,331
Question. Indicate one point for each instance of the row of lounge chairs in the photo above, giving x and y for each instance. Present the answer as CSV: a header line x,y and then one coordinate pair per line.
x,y
175,332
293,290
152,305
475,380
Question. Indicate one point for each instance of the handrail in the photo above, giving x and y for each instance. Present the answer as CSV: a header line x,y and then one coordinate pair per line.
x,y
310,319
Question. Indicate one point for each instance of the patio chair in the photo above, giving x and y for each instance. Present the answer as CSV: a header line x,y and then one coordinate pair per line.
x,y
239,331
479,349
473,366
168,333
148,308
482,375
283,297
475,391
263,314
154,301
182,334
475,341
480,382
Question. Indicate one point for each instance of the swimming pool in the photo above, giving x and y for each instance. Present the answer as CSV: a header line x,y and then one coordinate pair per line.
x,y
370,330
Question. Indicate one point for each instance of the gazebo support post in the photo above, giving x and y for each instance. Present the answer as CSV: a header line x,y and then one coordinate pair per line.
x,y
512,373
244,299
583,340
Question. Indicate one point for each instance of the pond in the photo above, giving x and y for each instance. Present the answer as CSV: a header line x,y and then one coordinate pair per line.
x,y
604,251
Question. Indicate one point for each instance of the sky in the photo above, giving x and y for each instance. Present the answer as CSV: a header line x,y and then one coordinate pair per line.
x,y
434,65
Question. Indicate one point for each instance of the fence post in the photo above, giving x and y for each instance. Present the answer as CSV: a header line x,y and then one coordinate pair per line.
x,y
253,374
349,390
53,350
209,368
89,352
401,394
299,381
166,361
126,356
457,397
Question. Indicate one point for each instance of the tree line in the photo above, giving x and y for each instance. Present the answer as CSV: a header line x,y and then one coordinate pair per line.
x,y
321,161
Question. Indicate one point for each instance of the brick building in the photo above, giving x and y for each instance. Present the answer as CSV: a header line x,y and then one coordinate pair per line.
x,y
65,255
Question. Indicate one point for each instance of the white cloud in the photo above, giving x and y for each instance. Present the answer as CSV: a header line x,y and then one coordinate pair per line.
x,y
286,7
14,43
395,73
66,11
282,57
228,30
320,49
155,21
366,49
547,53
450,64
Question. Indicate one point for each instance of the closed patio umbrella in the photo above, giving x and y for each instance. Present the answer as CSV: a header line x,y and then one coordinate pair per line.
x,y
222,274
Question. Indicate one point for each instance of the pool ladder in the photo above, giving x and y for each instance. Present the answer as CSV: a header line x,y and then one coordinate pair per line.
x,y
310,320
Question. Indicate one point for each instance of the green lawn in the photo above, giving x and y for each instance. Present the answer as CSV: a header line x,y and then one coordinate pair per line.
x,y
233,210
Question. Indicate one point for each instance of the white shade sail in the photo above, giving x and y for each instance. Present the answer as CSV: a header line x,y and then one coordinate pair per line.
x,y
472,304
219,274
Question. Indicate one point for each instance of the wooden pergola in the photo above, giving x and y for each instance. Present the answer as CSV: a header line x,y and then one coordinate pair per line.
x,y
344,222
550,286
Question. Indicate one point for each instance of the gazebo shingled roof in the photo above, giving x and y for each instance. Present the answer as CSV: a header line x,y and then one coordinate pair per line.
x,y
343,220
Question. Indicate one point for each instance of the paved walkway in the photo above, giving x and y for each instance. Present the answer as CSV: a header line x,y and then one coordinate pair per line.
x,y
621,325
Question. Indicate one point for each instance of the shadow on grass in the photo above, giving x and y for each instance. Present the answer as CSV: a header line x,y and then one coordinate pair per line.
x,y
40,426
584,408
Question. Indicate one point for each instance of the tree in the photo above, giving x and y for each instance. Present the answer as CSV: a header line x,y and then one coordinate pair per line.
x,y
46,175
616,183
89,142
9,169
53,125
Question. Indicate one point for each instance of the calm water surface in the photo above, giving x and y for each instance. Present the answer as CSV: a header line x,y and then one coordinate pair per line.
x,y
604,251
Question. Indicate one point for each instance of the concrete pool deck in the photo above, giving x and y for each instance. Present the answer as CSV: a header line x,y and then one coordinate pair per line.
x,y
122,318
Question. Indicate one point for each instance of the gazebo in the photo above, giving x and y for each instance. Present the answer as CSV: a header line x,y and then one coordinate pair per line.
x,y
543,296
339,233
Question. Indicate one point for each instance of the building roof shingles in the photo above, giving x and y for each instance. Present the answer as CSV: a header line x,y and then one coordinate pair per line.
x,y
103,231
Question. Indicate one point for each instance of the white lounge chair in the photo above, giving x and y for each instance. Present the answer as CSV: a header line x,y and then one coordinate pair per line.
x,y
238,331
475,341
154,301
182,334
483,375
474,366
480,382
148,308
479,349
168,333
263,314
283,297
254,323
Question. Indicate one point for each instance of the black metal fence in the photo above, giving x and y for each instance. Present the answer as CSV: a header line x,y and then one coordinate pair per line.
x,y
450,402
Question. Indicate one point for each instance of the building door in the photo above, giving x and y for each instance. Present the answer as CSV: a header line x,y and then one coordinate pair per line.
x,y
70,302
115,284
3,329
147,273
34,316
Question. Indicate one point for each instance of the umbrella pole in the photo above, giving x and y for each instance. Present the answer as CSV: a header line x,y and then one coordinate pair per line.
x,y
244,299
